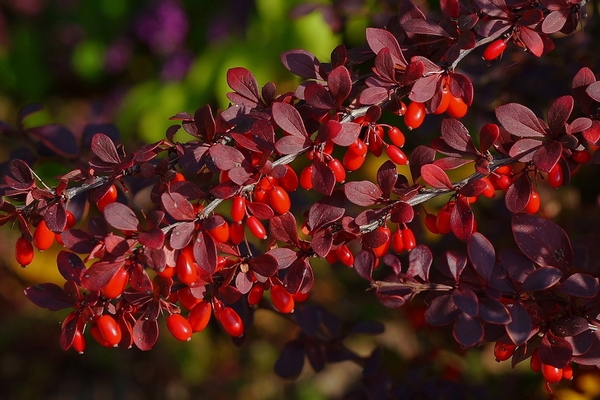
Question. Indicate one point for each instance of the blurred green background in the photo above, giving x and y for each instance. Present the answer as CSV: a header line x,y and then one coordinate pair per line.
x,y
136,63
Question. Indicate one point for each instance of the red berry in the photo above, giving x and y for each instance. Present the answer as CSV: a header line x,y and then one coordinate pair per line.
x,y
338,170
78,341
534,362
504,182
358,147
255,294
179,327
187,299
551,373
397,242
238,208
376,141
494,49
457,108
230,321
282,299
408,239
503,351
431,223
503,170
396,136
109,329
116,285
306,177
43,237
384,248
415,115
396,155
23,251
261,195
567,372
289,181
353,161
109,197
186,266
220,233
178,177
345,255
533,205
236,232
444,103
280,200
200,316
581,156
443,219
256,227
555,176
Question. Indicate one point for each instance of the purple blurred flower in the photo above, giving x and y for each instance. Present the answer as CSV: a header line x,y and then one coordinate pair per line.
x,y
175,66
118,55
163,27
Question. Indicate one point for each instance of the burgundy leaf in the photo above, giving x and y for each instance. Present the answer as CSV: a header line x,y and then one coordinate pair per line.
x,y
466,300
70,266
488,135
519,328
424,27
387,175
555,351
419,262
260,210
364,262
289,119
205,252
205,121
56,217
362,193
139,279
284,228
104,148
145,333
524,149
339,83
327,210
424,89
542,241
519,120
182,234
284,256
48,295
456,135
542,278
322,241
78,241
328,131
225,157
178,206
532,41
300,277
518,194
453,264
420,156
302,63
292,144
593,91
482,255
467,331
244,83
559,113
473,188
516,264
153,238
384,66
580,285
462,220
441,311
547,156
436,177
323,177
121,217
317,95
264,264
402,213
555,21
99,274
348,135
373,95
380,38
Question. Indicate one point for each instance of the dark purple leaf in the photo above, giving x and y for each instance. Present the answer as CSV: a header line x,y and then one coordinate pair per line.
x,y
402,213
70,266
56,217
555,21
300,277
559,113
424,89
284,256
519,120
580,285
264,264
424,27
48,295
178,206
323,177
57,138
493,311
289,119
466,300
121,217
518,194
519,328
302,63
340,84
542,241
260,210
348,135
379,39
78,241
104,148
582,342
373,95
139,279
328,131
225,157
524,149
387,175
569,325
317,95
462,220
362,193
542,278
547,156
482,255
555,350
441,311
290,363
420,156
322,241
453,264
419,262
467,331
205,121
516,264
364,262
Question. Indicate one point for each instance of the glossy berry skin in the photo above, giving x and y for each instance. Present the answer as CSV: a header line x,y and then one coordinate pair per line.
x,y
179,327
415,115
443,219
186,267
79,342
581,156
117,284
397,242
306,177
230,321
443,104
282,299
489,190
43,237
396,136
503,351
338,170
199,316
109,197
457,108
556,176
551,374
345,255
381,250
255,295
220,233
109,329
289,181
431,223
567,372
533,205
187,299
238,208
256,227
280,200
236,232
23,251
494,50
535,363
396,155
408,239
